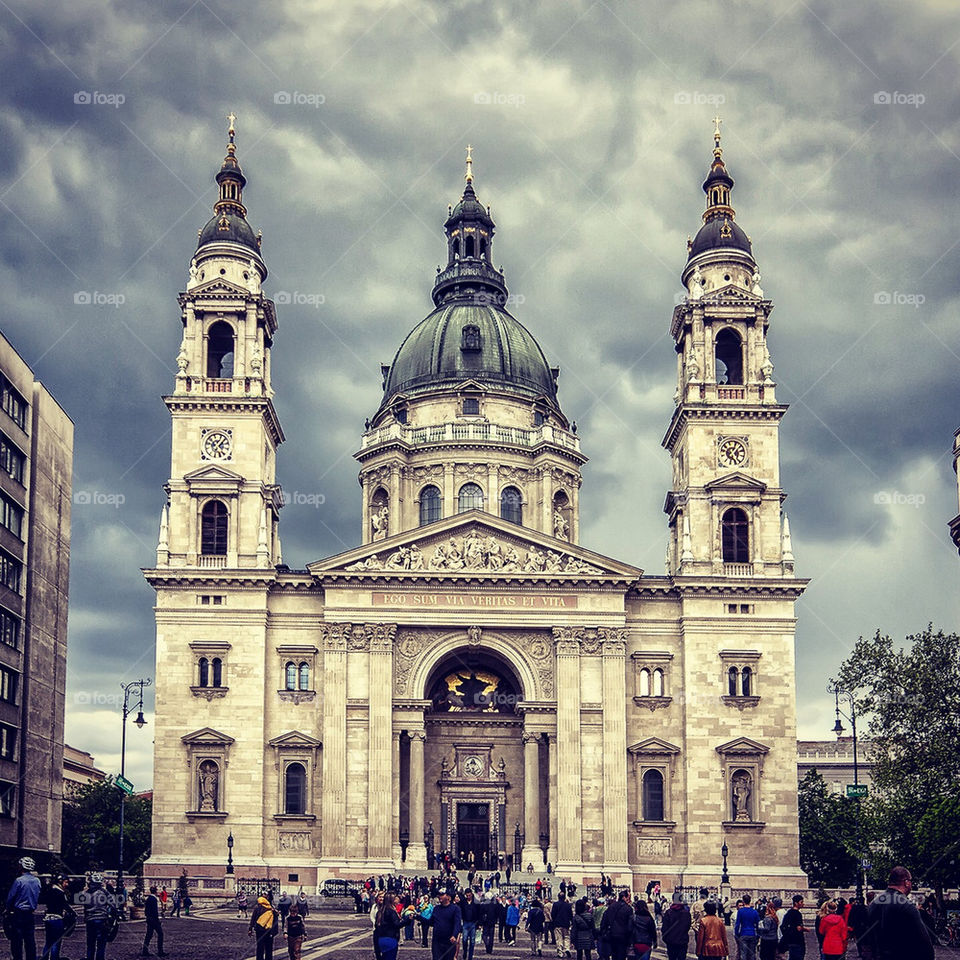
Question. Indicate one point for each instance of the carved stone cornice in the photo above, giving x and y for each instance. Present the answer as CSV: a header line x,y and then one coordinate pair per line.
x,y
653,703
209,693
297,696
613,641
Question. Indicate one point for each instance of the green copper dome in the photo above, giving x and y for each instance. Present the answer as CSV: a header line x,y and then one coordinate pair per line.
x,y
467,340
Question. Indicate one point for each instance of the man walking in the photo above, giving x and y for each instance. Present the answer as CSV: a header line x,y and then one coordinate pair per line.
x,y
745,930
562,918
894,927
793,930
447,927
470,913
676,929
617,926
97,914
21,902
151,912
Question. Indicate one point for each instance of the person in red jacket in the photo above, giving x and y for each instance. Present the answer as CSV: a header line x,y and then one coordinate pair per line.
x,y
834,930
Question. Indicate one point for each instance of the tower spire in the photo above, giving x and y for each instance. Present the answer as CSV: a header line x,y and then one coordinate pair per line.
x,y
469,174
719,183
231,178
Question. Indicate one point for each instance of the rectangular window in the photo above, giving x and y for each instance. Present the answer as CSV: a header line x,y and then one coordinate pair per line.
x,y
8,685
8,741
11,515
13,403
8,792
11,460
9,629
10,569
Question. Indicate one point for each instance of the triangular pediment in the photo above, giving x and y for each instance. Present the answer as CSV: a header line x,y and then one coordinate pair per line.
x,y
294,739
743,746
474,544
207,735
654,745
736,481
213,474
471,386
219,286
730,292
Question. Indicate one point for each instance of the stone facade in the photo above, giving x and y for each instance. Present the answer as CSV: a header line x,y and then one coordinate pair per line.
x,y
470,677
36,437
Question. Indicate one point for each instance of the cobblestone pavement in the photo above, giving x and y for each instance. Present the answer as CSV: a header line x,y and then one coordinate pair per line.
x,y
217,935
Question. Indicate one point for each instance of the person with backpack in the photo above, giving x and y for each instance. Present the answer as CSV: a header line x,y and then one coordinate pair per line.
x,y
792,931
675,929
581,931
768,932
616,928
535,927
265,925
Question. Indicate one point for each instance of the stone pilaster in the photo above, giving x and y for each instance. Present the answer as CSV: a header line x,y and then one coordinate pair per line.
x,y
613,650
552,797
569,805
380,637
416,849
334,824
531,852
396,851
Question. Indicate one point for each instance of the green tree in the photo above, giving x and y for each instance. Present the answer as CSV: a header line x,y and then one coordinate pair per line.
x,y
830,834
93,813
910,697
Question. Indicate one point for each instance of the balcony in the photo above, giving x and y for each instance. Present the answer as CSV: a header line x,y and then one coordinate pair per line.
x,y
731,393
738,569
212,561
469,432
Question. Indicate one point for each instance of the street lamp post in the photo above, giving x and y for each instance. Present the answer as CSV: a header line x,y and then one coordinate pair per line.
x,y
840,693
230,852
128,689
724,884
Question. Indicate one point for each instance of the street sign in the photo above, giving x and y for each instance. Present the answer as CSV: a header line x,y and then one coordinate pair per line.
x,y
866,865
126,786
856,789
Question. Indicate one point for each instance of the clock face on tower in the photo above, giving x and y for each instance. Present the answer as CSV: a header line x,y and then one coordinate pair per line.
x,y
216,444
732,452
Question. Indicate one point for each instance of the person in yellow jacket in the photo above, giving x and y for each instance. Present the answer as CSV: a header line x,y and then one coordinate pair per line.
x,y
265,924
712,934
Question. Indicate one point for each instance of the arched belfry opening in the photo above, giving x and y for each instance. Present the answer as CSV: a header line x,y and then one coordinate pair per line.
x,y
475,753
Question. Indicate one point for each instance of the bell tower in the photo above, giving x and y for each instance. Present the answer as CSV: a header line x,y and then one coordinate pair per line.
x,y
223,500
724,507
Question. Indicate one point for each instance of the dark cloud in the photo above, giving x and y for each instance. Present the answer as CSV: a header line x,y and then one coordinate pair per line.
x,y
591,155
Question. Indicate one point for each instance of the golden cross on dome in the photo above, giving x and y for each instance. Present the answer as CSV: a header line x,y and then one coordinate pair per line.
x,y
469,176
231,119
716,132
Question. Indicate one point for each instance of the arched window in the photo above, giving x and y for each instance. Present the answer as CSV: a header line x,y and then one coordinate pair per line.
x,y
644,682
203,671
653,795
295,789
290,676
213,528
511,505
471,498
735,536
658,683
220,350
216,665
470,246
746,682
304,676
431,505
732,681
483,246
729,357
456,249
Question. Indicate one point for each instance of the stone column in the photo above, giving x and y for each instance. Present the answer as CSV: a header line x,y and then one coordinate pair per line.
x,y
552,798
416,849
334,803
531,852
449,494
613,650
569,845
546,517
395,851
379,750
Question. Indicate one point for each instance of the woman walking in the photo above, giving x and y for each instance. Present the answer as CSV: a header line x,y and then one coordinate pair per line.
x,y
581,931
644,931
296,932
712,934
769,931
387,929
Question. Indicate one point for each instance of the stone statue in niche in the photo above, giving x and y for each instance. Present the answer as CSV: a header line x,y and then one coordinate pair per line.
x,y
256,361
381,523
741,797
209,783
182,360
560,525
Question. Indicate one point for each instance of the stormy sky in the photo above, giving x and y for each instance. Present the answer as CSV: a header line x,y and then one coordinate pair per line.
x,y
591,129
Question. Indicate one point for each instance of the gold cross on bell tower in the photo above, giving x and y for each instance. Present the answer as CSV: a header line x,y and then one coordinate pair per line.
x,y
469,174
231,119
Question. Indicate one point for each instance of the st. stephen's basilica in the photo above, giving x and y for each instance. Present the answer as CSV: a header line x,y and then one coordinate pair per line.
x,y
471,678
